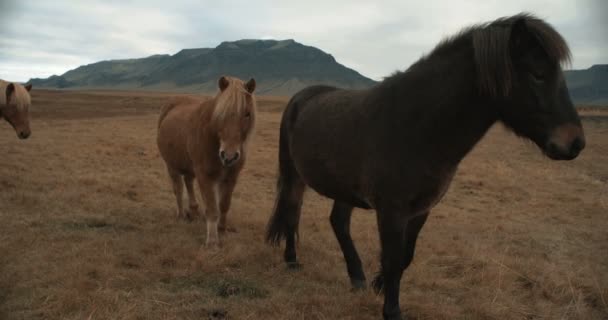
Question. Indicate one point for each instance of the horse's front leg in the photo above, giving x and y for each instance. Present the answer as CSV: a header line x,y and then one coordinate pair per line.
x,y
398,234
207,186
226,187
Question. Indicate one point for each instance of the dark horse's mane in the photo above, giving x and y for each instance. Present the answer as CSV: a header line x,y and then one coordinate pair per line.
x,y
491,47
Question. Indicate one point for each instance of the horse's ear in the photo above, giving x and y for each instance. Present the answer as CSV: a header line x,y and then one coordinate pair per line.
x,y
9,92
28,87
521,40
223,83
250,85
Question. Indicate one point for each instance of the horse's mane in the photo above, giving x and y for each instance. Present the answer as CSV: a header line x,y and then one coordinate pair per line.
x,y
22,96
491,47
232,100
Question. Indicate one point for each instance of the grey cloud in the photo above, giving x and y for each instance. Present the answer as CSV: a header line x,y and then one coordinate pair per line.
x,y
39,38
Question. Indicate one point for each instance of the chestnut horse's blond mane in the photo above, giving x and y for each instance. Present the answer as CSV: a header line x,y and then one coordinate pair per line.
x,y
22,96
233,100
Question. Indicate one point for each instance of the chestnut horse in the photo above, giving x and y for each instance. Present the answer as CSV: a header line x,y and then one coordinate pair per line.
x,y
15,104
208,141
395,147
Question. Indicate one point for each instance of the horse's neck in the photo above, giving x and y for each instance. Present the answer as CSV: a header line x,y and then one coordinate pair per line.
x,y
448,114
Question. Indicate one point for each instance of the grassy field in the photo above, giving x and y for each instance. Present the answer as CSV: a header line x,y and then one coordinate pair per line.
x,y
87,229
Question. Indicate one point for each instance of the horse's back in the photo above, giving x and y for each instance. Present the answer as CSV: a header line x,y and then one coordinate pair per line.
x,y
178,107
173,131
299,100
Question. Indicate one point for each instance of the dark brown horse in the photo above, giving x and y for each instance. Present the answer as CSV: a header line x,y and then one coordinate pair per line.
x,y
395,147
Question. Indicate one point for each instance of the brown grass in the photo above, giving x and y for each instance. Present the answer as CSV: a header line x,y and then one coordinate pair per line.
x,y
87,230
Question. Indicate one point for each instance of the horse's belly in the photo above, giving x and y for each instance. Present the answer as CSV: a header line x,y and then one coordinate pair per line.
x,y
174,152
338,192
330,179
328,149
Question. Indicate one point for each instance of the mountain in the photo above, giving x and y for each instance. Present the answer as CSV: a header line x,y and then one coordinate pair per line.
x,y
590,86
279,67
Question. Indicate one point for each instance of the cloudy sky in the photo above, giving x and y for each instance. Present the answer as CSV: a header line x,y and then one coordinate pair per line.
x,y
41,38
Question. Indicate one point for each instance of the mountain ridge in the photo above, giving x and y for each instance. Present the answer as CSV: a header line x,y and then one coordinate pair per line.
x,y
279,66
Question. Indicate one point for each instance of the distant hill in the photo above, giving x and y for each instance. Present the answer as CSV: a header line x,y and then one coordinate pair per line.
x,y
279,67
589,86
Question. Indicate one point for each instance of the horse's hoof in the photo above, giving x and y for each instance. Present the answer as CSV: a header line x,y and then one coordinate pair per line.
x,y
183,216
212,246
189,215
213,249
294,266
194,212
394,317
218,314
358,285
378,284
226,229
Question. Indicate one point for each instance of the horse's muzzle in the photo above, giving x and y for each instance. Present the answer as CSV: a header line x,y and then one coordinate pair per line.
x,y
228,159
24,135
566,143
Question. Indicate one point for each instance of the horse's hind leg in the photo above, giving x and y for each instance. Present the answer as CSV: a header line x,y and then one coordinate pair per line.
x,y
398,241
178,190
340,222
286,216
290,190
292,202
188,180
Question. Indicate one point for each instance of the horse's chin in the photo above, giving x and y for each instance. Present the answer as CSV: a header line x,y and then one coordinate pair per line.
x,y
559,156
23,135
229,164
554,152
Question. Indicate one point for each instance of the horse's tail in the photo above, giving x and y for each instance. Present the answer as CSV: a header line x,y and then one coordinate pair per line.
x,y
290,188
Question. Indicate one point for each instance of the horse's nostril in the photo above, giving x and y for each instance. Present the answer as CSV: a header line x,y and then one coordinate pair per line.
x,y
552,148
222,155
577,145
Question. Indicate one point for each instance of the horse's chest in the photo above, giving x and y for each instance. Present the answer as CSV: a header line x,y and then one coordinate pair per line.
x,y
426,198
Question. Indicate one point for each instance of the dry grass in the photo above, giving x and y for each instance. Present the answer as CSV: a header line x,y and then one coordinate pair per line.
x,y
87,230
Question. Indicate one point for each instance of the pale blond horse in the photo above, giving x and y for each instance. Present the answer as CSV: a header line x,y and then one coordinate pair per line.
x,y
15,104
207,140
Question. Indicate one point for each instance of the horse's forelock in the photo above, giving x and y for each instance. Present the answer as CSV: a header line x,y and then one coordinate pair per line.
x,y
232,100
554,45
23,98
491,44
20,96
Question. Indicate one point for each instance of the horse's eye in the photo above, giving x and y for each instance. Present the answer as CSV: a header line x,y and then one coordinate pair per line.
x,y
538,77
